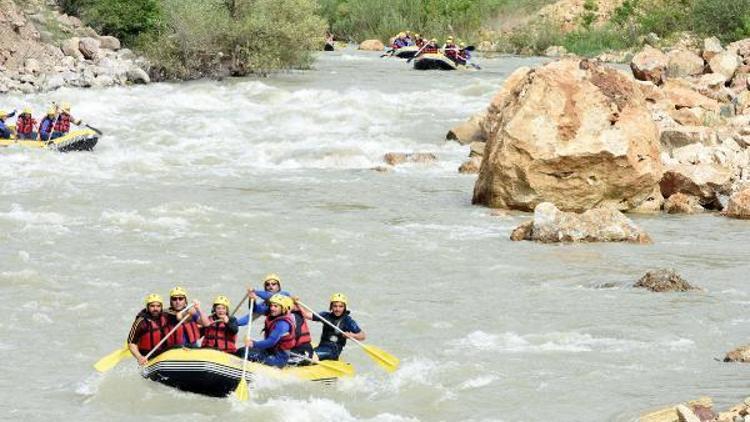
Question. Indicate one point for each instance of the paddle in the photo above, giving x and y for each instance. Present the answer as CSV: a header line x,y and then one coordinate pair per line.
x,y
381,357
416,54
241,391
391,51
112,359
334,365
98,132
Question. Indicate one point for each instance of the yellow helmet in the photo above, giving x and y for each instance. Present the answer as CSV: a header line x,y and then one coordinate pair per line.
x,y
65,107
3,113
177,291
433,40
282,301
401,34
153,297
222,300
27,110
272,276
51,112
462,44
338,297
416,35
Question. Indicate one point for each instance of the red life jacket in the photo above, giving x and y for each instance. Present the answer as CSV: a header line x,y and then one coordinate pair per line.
x,y
301,330
188,327
63,123
430,49
451,51
25,124
288,340
154,332
217,336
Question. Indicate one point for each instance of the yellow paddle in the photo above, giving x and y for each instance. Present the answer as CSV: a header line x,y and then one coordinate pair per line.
x,y
386,360
111,360
241,391
342,368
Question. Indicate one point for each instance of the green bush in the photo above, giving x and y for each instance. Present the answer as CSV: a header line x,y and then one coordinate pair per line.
x,y
125,19
726,19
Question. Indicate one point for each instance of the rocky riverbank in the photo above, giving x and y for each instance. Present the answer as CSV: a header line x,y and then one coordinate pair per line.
x,y
42,49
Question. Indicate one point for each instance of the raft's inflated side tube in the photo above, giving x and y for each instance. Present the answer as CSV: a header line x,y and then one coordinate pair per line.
x,y
406,52
328,47
432,61
216,374
77,140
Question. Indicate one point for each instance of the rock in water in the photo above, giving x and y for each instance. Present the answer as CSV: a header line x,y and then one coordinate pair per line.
x,y
740,354
574,133
739,205
664,280
372,45
551,225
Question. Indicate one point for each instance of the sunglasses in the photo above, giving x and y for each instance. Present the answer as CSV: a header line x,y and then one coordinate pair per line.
x,y
177,298
272,283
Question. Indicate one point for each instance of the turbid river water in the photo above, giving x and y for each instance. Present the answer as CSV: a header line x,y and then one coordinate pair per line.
x,y
213,184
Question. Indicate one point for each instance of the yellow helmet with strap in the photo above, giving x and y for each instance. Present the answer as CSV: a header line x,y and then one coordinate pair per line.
x,y
153,297
222,300
338,297
282,301
178,291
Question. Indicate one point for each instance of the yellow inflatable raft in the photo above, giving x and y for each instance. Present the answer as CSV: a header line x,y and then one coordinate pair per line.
x,y
77,140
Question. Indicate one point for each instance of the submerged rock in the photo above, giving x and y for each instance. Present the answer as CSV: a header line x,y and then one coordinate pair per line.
x,y
680,203
573,132
471,166
740,354
664,280
550,225
467,132
396,158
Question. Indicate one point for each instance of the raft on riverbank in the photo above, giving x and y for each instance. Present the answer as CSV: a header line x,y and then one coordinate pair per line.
x,y
77,140
217,374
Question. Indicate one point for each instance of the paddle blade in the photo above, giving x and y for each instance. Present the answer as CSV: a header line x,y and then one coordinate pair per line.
x,y
111,360
342,368
386,360
241,392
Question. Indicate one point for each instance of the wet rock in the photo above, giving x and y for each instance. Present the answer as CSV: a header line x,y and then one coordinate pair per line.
x,y
396,158
550,225
684,63
704,181
711,47
739,205
372,45
137,75
471,166
89,47
650,64
467,132
578,138
680,203
686,414
740,354
725,64
664,280
382,169
109,42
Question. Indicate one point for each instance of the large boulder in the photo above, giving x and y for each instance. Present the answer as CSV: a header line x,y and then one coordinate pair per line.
x,y
650,64
682,94
740,354
574,133
739,205
725,64
467,132
89,47
680,203
69,47
684,63
550,225
137,75
372,45
109,42
711,47
707,182
664,280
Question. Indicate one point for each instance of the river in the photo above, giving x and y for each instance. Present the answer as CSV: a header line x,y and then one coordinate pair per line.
x,y
211,185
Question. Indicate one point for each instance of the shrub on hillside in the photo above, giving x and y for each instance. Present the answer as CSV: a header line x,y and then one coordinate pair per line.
x,y
729,20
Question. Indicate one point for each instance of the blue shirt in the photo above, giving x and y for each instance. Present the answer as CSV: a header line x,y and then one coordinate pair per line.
x,y
260,307
347,324
281,328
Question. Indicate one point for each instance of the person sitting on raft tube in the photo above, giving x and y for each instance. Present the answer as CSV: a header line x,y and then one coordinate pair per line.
x,y
219,329
303,340
62,125
399,41
450,49
25,125
332,342
188,333
408,40
419,41
5,131
278,340
47,125
431,47
148,329
464,55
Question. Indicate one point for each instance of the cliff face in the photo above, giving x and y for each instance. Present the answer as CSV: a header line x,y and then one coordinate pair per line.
x,y
42,49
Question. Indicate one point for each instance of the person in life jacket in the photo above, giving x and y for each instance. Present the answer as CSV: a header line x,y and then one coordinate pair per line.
x,y
332,342
148,329
46,126
419,41
188,333
399,41
5,131
271,286
408,40
464,55
278,333
62,124
25,125
219,329
450,49
431,47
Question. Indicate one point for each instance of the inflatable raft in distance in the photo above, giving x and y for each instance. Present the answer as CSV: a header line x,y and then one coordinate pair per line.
x,y
437,61
406,52
77,140
217,374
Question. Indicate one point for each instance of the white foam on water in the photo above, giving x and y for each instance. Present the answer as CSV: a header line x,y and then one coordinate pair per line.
x,y
38,221
477,382
308,410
